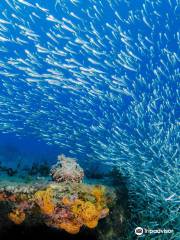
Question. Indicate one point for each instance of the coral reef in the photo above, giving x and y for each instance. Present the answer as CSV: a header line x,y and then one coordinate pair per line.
x,y
85,209
44,200
67,169
17,216
64,203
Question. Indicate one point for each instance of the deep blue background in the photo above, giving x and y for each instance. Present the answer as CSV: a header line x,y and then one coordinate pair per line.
x,y
22,101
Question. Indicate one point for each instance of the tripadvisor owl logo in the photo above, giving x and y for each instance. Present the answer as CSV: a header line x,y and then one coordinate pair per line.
x,y
138,231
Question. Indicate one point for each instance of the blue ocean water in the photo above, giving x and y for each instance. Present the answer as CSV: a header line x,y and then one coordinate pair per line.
x,y
98,81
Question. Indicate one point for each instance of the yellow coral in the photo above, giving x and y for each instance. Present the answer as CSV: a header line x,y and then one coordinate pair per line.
x,y
76,207
17,216
89,211
86,213
90,215
66,201
92,223
44,200
98,193
70,227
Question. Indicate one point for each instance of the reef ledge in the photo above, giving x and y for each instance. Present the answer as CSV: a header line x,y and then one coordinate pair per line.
x,y
63,202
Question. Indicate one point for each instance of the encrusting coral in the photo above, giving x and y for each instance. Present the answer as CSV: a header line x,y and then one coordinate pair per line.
x,y
65,203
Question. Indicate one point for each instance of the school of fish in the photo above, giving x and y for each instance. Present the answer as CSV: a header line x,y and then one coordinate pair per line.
x,y
100,79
